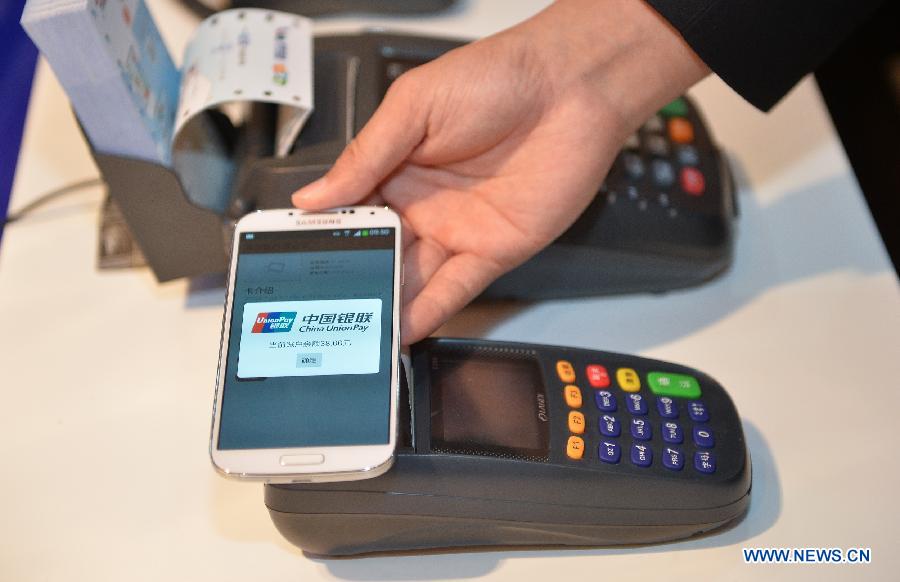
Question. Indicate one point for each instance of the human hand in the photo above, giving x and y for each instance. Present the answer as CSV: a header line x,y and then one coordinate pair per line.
x,y
491,151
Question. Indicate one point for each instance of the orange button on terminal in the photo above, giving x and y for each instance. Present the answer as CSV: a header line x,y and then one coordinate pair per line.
x,y
575,448
573,395
576,422
565,371
681,130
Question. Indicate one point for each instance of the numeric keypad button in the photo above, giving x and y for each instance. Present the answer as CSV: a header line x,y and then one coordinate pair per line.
x,y
657,145
687,155
705,462
606,400
637,404
609,452
609,426
672,433
641,455
703,437
673,459
667,407
641,429
698,411
634,165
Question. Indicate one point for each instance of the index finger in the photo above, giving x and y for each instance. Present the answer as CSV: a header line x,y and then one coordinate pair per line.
x,y
396,128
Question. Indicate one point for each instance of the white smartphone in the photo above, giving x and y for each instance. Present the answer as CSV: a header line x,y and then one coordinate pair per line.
x,y
308,377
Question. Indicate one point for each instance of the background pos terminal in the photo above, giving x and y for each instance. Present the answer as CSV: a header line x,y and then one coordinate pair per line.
x,y
663,219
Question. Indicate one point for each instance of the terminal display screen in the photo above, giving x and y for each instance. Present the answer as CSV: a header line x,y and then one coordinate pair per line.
x,y
487,405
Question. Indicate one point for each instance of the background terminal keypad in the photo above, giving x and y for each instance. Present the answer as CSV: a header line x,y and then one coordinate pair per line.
x,y
619,415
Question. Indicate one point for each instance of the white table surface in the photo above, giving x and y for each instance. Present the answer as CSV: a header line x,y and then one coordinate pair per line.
x,y
106,378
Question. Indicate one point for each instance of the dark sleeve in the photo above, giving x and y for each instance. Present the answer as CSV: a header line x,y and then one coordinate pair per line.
x,y
761,48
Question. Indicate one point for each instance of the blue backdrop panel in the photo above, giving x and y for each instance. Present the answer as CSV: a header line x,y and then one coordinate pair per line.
x,y
16,72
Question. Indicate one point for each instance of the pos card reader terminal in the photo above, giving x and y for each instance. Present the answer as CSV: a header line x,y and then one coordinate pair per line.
x,y
524,445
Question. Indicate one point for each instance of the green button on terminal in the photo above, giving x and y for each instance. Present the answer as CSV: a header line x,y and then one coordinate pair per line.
x,y
677,108
674,385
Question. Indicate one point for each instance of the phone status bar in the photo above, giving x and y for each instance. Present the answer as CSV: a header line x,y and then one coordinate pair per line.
x,y
317,239
352,233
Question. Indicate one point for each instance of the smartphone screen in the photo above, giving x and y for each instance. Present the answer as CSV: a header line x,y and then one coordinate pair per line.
x,y
309,348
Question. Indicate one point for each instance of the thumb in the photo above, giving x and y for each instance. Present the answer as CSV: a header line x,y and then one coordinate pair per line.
x,y
393,132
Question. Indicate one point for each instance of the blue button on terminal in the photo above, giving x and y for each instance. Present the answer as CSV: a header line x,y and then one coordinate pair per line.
x,y
673,459
703,437
637,404
641,455
634,165
667,407
609,452
705,462
672,433
698,411
609,426
606,400
641,429
663,172
688,155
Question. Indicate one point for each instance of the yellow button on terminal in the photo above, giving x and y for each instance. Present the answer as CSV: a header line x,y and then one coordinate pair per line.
x,y
575,448
573,395
628,379
576,422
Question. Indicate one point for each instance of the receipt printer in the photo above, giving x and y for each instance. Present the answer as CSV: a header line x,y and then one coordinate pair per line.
x,y
509,444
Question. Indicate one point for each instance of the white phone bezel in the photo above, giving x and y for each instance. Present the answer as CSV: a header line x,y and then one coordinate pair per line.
x,y
341,463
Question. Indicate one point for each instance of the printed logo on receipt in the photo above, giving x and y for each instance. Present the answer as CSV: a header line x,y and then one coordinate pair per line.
x,y
329,337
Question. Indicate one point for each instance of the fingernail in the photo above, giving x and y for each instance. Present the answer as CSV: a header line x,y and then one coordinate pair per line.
x,y
309,192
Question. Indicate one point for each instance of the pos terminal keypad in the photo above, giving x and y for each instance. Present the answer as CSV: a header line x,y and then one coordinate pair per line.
x,y
608,413
640,414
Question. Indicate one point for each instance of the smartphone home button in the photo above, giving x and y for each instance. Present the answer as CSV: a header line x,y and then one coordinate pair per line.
x,y
288,460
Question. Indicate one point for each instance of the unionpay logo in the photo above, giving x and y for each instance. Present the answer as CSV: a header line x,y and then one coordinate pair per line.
x,y
274,321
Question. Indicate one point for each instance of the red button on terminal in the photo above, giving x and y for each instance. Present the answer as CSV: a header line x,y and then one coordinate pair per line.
x,y
597,376
692,181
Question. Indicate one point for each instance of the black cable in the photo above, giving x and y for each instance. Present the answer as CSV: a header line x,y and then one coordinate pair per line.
x,y
314,8
52,195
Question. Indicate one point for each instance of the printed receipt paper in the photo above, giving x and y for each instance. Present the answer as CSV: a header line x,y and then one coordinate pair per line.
x,y
250,54
310,338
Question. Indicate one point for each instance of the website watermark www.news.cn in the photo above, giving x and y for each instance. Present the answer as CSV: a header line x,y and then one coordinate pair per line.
x,y
807,555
